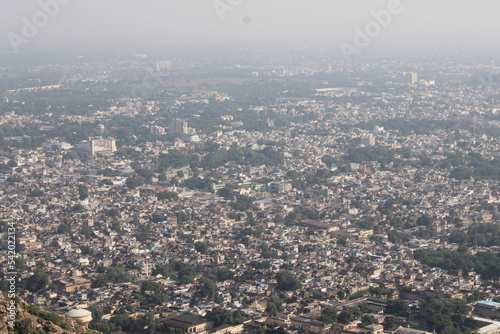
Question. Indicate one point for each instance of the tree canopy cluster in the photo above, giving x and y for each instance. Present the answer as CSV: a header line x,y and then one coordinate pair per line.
x,y
242,156
112,275
287,281
447,316
485,235
485,264
37,281
221,317
183,272
123,322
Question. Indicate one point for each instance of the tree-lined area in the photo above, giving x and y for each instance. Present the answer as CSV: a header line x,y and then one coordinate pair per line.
x,y
484,263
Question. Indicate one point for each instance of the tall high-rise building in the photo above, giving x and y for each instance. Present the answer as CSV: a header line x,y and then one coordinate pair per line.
x,y
407,78
369,140
94,146
157,130
265,123
178,126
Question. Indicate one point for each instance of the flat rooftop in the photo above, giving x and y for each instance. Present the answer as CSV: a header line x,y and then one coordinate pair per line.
x,y
488,304
184,320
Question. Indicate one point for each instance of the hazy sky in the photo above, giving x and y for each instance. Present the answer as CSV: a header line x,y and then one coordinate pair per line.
x,y
322,22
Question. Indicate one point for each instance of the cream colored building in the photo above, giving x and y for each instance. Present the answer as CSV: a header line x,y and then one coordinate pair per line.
x,y
94,146
188,324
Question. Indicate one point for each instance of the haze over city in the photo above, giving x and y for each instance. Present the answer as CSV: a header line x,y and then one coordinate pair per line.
x,y
325,23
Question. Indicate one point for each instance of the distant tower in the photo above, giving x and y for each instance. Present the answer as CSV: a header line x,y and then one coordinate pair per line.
x,y
101,128
178,126
407,78
265,123
164,65
369,140
157,130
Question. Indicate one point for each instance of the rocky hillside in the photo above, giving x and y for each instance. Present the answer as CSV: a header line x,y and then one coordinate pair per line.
x,y
34,320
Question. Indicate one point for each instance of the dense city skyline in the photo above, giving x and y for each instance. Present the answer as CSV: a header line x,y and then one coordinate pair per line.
x,y
249,167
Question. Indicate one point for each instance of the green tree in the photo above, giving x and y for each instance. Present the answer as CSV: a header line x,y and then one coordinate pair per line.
x,y
149,286
20,264
274,305
318,295
445,315
78,208
287,281
64,228
14,179
112,275
116,225
221,317
201,247
367,320
36,193
83,191
162,269
208,288
167,195
226,192
244,203
85,249
342,241
424,220
23,326
37,281
134,182
186,273
223,274
86,231
328,314
349,314
398,307
329,160
97,312
113,212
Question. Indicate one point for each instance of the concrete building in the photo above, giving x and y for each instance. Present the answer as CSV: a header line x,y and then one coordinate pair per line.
x,y
157,130
487,326
369,140
487,309
265,123
75,284
188,324
193,138
60,145
178,126
410,331
104,146
164,65
278,187
407,78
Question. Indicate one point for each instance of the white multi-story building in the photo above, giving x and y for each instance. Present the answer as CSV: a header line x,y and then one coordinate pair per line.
x,y
94,146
